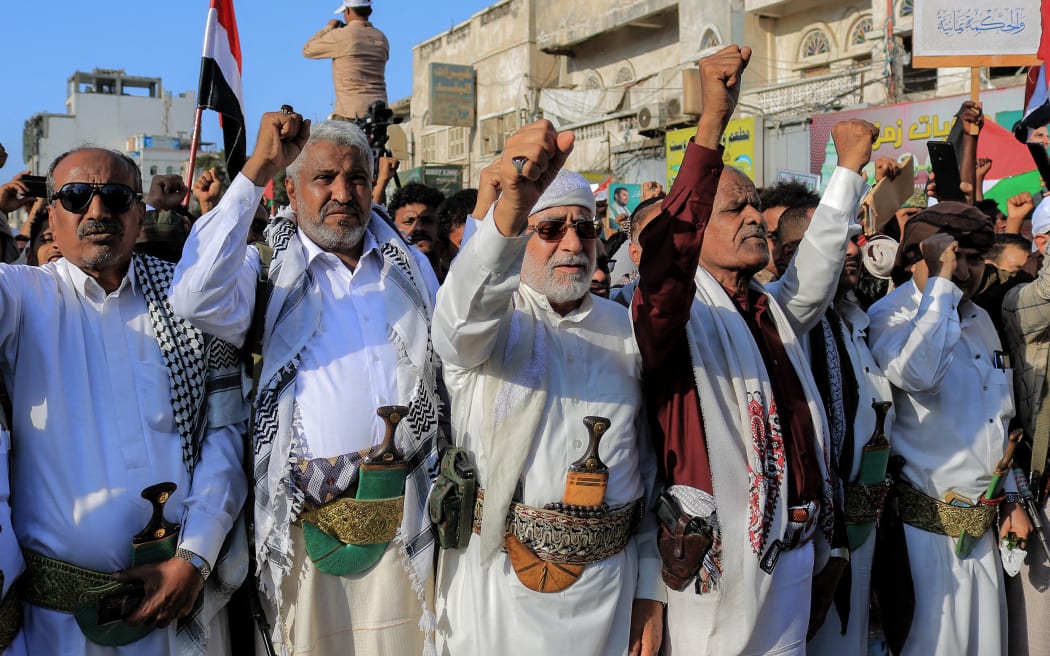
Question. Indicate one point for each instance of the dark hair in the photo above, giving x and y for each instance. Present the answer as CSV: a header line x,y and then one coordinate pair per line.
x,y
638,211
989,207
788,193
1002,240
363,12
414,192
454,210
38,224
792,220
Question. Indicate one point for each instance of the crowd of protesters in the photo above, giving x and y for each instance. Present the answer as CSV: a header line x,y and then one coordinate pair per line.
x,y
730,421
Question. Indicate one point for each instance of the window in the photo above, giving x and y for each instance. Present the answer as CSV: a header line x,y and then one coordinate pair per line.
x,y
710,40
814,44
457,143
428,147
858,36
495,130
916,79
907,7
624,75
153,170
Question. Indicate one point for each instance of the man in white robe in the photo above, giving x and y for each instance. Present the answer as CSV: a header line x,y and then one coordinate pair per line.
x,y
953,398
346,331
104,388
529,353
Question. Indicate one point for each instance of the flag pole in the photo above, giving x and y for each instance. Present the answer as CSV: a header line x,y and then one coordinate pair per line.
x,y
195,142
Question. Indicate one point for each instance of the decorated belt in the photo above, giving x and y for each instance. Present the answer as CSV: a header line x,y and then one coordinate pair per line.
x,y
936,516
358,521
865,501
10,618
57,585
563,538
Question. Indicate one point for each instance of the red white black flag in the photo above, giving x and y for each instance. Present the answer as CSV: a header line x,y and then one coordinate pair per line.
x,y
220,83
1037,87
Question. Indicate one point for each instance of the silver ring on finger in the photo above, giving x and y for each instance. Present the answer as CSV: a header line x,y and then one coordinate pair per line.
x,y
519,164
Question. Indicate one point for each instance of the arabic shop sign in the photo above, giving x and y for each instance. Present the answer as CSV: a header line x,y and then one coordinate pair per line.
x,y
451,95
1006,27
446,178
739,143
905,128
675,143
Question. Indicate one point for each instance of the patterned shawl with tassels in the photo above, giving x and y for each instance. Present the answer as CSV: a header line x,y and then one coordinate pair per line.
x,y
292,315
205,376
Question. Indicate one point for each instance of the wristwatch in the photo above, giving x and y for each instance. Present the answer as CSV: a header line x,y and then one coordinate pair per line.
x,y
197,561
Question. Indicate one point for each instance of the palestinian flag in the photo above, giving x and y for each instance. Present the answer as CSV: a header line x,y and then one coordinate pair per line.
x,y
220,83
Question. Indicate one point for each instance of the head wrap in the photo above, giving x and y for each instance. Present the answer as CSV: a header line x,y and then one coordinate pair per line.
x,y
967,224
878,255
918,199
568,188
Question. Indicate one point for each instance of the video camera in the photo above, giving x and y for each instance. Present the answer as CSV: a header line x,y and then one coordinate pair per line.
x,y
375,124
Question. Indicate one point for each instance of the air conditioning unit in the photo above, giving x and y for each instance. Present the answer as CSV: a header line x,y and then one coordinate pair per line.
x,y
648,117
672,115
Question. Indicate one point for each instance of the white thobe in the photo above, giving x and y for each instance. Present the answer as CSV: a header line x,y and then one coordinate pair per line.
x,y
871,386
347,369
593,368
953,405
92,426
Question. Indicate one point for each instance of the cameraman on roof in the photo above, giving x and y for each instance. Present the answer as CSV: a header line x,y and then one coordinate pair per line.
x,y
359,53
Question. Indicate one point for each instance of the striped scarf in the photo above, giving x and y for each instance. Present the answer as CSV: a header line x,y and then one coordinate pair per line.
x,y
292,312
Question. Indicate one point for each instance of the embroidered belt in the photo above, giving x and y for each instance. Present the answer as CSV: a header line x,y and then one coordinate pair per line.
x,y
358,521
10,618
57,585
563,538
865,501
936,516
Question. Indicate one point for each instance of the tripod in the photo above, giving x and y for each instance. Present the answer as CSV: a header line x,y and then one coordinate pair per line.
x,y
374,125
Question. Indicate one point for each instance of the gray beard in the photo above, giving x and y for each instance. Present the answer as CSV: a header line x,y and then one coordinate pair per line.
x,y
541,277
332,240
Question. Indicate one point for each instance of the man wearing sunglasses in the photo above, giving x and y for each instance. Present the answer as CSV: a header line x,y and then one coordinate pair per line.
x,y
529,353
113,394
740,436
346,331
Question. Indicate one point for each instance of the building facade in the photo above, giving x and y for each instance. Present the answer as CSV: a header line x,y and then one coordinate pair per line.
x,y
622,75
112,109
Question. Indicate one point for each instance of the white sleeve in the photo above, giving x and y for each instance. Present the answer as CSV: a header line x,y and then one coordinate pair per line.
x,y
478,290
217,492
915,352
216,279
808,286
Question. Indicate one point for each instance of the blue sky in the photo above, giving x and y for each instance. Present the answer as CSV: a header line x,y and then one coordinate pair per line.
x,y
44,44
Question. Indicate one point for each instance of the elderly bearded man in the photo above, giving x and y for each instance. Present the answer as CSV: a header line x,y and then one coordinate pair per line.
x,y
953,396
529,353
109,397
739,431
346,331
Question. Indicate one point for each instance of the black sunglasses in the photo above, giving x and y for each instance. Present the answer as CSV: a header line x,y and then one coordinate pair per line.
x,y
76,196
555,229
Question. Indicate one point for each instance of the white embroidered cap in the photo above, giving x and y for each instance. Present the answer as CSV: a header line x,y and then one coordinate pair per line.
x,y
568,188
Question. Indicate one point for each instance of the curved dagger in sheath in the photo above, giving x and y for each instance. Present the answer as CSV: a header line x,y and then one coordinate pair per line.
x,y
585,486
381,476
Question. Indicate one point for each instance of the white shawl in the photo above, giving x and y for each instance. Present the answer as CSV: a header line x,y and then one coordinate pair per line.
x,y
743,437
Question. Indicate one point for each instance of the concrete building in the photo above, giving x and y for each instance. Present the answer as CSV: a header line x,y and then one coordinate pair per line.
x,y
622,75
112,109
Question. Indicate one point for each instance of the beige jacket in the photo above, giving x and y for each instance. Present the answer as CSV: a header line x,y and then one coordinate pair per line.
x,y
359,53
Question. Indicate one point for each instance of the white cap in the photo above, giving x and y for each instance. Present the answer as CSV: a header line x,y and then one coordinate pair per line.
x,y
1041,220
350,4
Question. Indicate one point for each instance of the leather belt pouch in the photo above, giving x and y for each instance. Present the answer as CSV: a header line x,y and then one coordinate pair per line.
x,y
684,540
451,503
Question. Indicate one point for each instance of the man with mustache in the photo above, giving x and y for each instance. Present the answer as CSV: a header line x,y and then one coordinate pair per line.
x,y
414,209
346,331
749,521
528,354
111,394
953,398
849,382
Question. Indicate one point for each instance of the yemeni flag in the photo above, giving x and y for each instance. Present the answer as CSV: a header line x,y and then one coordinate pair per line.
x,y
1036,95
220,84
